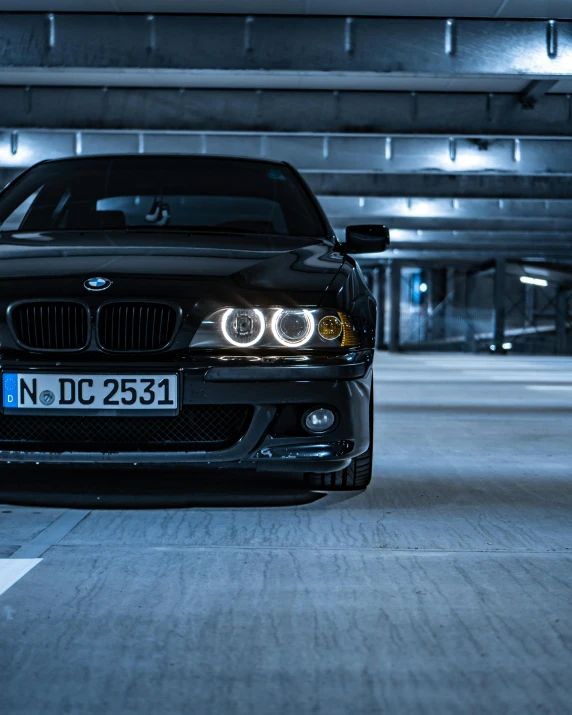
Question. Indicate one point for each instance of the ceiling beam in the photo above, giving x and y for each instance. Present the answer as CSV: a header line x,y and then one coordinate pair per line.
x,y
471,246
284,111
384,8
451,185
321,153
231,48
450,214
428,207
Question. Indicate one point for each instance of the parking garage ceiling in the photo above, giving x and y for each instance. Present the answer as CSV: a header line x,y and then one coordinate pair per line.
x,y
380,8
454,128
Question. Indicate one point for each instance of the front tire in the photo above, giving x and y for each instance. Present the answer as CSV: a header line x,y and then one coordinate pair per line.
x,y
356,476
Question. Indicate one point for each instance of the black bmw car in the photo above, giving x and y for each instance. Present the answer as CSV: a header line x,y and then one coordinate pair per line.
x,y
184,310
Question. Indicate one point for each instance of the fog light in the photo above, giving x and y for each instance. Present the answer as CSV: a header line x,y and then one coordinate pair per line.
x,y
318,421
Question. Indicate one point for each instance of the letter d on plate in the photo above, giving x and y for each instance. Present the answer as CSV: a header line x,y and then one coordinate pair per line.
x,y
10,390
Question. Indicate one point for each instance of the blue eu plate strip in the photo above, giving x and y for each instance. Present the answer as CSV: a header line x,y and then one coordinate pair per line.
x,y
10,390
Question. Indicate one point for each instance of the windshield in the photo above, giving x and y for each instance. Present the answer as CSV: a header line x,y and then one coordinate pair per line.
x,y
161,193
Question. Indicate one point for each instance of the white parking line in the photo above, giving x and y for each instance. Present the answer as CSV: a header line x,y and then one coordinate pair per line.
x,y
561,388
51,535
554,377
28,555
12,570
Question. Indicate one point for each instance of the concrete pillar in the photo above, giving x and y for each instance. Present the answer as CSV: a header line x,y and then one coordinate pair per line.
x,y
562,322
437,286
379,293
529,305
394,305
437,294
470,342
449,312
499,304
370,279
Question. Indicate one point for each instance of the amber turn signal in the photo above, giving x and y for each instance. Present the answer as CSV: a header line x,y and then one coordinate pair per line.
x,y
330,327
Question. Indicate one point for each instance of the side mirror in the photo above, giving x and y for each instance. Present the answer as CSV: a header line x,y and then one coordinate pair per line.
x,y
366,239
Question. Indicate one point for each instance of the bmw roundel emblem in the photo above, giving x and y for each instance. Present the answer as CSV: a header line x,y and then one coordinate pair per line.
x,y
97,283
47,397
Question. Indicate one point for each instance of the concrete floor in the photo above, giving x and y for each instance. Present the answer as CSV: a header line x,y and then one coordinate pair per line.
x,y
445,588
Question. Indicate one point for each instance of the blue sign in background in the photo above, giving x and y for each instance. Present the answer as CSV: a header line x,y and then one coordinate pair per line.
x,y
10,390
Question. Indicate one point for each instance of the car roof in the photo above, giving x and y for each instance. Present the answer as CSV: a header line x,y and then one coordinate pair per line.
x,y
144,157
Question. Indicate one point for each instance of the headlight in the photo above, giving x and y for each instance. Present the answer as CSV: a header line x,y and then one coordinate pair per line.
x,y
243,328
293,328
276,328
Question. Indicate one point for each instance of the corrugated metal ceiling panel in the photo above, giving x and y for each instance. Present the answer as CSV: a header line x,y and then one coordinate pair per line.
x,y
421,8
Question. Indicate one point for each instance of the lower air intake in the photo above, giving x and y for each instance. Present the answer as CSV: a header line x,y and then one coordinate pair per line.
x,y
196,428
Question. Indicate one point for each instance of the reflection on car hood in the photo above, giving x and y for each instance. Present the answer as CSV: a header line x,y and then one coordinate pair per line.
x,y
139,264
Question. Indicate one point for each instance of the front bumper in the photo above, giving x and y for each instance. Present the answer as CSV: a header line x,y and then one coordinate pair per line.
x,y
343,384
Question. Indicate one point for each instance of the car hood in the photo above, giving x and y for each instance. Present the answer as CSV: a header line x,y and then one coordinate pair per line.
x,y
172,265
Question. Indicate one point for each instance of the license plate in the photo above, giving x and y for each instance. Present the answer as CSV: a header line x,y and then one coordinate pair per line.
x,y
32,391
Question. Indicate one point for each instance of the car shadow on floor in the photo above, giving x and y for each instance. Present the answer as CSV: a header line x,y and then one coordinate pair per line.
x,y
145,488
549,488
150,488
